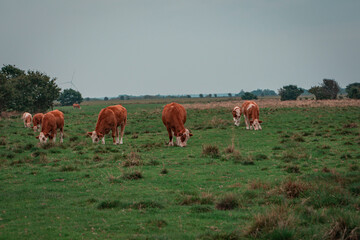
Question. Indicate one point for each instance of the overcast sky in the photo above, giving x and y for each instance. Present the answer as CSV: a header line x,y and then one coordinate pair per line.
x,y
139,47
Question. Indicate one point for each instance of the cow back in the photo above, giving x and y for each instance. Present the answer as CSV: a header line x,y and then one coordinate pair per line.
x,y
59,118
120,114
174,115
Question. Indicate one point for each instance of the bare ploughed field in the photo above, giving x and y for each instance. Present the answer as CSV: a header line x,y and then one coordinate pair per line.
x,y
276,103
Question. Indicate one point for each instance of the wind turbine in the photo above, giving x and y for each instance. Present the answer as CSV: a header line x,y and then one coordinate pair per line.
x,y
71,82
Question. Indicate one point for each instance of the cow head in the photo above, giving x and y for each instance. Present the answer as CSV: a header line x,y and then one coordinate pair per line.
x,y
183,137
96,137
43,137
236,112
28,124
256,124
36,128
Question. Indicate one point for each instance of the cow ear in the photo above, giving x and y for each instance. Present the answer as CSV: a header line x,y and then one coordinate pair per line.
x,y
100,135
37,137
260,121
190,134
89,134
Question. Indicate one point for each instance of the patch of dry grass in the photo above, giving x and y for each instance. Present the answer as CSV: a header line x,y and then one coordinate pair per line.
x,y
277,218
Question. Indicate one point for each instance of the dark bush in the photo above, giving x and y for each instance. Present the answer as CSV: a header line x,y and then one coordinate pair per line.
x,y
228,202
290,92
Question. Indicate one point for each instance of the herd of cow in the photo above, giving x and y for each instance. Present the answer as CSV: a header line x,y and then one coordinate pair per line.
x,y
113,117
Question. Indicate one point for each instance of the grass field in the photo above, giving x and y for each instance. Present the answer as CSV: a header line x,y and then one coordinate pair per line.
x,y
298,178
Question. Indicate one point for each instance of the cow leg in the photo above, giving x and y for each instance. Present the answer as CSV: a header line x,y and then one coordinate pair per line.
x,y
103,140
61,135
170,132
117,135
114,133
122,133
246,122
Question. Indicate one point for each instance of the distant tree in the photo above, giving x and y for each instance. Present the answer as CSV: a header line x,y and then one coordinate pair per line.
x,y
188,96
229,94
201,95
215,95
265,92
328,90
6,92
32,91
248,96
87,99
209,95
290,92
268,92
70,96
241,93
257,92
106,98
353,90
122,97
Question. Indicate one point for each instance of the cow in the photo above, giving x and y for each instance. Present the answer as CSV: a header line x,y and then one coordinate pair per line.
x,y
110,118
251,114
27,119
75,105
51,122
37,120
236,112
174,118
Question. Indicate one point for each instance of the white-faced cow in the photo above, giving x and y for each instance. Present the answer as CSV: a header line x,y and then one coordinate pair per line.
x,y
27,119
110,118
51,122
236,112
174,118
75,105
251,114
37,120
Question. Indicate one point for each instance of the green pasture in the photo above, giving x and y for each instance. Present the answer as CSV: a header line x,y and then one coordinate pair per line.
x,y
298,178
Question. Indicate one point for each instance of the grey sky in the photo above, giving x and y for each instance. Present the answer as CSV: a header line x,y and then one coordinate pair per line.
x,y
142,47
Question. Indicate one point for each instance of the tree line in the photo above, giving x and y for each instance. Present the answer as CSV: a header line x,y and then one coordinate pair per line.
x,y
329,89
31,91
34,91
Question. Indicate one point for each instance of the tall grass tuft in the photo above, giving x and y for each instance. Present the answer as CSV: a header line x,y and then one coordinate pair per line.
x,y
343,228
210,150
132,175
276,218
293,189
228,202
133,159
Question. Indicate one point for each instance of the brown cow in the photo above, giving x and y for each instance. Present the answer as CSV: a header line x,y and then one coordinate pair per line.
x,y
110,118
174,118
50,123
75,105
251,114
37,120
27,119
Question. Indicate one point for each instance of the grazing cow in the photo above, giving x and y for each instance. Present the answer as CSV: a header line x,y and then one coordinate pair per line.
x,y
75,105
51,122
236,112
27,119
251,114
37,120
174,118
110,118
